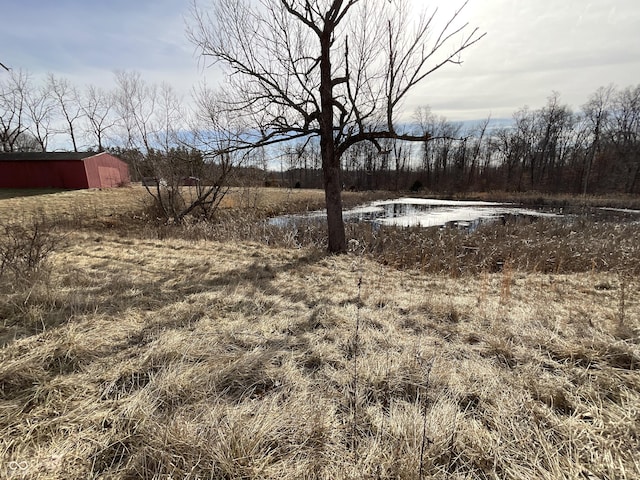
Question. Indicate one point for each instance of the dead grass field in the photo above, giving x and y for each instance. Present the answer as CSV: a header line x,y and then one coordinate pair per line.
x,y
84,205
75,204
135,357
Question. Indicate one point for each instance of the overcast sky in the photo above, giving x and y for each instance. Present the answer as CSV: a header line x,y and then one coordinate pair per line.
x,y
532,48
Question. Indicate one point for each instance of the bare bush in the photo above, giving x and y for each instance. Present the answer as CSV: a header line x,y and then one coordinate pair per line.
x,y
25,249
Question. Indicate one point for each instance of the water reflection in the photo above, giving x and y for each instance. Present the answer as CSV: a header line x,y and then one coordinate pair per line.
x,y
412,212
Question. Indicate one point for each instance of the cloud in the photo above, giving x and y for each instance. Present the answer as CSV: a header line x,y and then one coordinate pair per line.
x,y
531,49
74,35
534,48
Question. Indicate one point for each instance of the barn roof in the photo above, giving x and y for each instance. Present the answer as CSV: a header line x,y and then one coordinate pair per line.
x,y
48,156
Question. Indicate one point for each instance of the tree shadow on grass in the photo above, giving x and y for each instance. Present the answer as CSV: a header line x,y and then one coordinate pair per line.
x,y
40,308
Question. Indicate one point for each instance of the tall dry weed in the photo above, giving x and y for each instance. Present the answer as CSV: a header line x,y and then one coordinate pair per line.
x,y
505,284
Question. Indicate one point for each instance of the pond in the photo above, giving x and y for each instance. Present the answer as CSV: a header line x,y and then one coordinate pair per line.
x,y
426,212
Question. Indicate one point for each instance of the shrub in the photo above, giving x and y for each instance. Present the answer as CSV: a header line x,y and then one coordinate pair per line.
x,y
25,249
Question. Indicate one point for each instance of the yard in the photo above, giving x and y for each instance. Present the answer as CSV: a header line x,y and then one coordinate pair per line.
x,y
157,353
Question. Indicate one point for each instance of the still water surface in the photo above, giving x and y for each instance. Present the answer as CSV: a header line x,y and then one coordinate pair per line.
x,y
425,212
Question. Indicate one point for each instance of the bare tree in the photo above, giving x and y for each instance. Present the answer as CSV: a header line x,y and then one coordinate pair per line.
x,y
438,146
596,112
334,69
477,144
186,181
402,156
184,166
40,112
625,133
13,124
554,123
68,105
97,107
213,131
135,103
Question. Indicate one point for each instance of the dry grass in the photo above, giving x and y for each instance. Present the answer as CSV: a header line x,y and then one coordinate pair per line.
x,y
173,359
136,357
76,206
129,208
615,200
540,246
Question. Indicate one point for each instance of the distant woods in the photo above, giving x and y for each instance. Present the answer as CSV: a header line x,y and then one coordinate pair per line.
x,y
592,149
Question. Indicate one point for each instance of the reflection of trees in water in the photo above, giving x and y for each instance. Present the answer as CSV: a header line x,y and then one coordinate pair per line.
x,y
404,214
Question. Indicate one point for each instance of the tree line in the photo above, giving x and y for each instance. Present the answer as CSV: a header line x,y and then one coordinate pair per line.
x,y
134,114
592,150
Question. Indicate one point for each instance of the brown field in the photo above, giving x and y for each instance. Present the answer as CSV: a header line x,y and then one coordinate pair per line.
x,y
83,206
139,354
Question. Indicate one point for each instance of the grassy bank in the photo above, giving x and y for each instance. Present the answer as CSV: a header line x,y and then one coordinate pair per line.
x,y
226,355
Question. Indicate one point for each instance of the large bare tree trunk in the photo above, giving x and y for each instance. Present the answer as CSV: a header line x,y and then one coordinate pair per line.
x,y
333,196
330,160
281,84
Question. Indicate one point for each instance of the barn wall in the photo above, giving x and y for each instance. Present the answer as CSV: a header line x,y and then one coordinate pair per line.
x,y
104,171
43,174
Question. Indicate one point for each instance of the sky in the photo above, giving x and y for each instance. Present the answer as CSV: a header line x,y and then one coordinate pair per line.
x,y
531,49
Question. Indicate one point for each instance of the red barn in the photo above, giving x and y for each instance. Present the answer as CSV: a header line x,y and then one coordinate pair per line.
x,y
62,170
